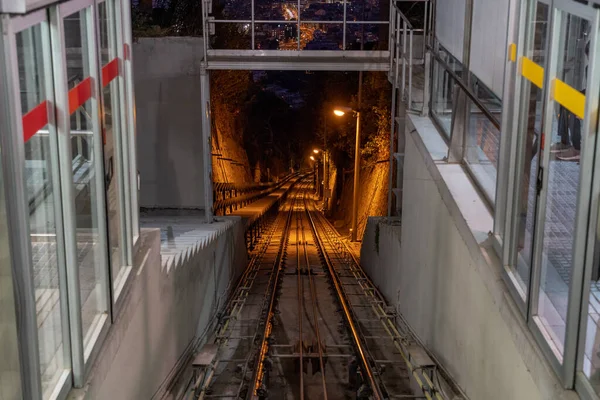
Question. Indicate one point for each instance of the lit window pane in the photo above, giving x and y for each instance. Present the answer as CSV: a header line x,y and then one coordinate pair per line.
x,y
42,201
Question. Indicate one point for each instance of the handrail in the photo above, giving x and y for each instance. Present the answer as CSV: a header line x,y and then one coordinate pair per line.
x,y
464,87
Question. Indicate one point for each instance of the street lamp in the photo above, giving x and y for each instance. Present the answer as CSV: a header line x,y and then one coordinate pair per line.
x,y
316,168
340,112
316,151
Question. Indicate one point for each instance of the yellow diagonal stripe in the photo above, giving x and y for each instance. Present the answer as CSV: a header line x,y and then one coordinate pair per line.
x,y
532,71
512,52
571,99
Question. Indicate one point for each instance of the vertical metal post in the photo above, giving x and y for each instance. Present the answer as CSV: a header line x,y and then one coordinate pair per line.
x,y
325,167
426,84
131,137
252,23
356,164
206,143
392,131
410,69
12,145
403,84
299,34
344,28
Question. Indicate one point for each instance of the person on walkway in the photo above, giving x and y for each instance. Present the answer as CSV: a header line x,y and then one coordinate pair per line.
x,y
569,127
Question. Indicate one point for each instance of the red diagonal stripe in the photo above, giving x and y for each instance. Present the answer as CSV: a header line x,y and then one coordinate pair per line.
x,y
35,120
110,71
80,94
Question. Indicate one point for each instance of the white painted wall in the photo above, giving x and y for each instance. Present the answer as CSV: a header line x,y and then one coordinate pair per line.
x,y
449,25
488,42
440,272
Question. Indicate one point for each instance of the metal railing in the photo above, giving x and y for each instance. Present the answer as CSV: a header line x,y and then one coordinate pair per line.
x,y
249,27
229,197
406,51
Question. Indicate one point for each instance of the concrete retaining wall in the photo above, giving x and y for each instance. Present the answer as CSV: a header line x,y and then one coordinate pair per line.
x,y
445,279
169,135
163,313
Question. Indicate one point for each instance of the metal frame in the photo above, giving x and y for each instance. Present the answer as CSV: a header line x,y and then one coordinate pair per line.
x,y
133,210
508,190
78,356
83,353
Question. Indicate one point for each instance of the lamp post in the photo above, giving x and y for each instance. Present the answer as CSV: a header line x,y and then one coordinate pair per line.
x,y
316,168
340,112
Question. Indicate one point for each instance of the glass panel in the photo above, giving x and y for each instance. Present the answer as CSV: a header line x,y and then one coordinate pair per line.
x,y
112,135
10,373
230,36
483,140
275,11
442,98
275,36
87,170
563,186
42,197
531,117
321,36
311,10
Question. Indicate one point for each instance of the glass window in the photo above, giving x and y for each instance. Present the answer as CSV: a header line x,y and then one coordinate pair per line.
x,y
442,98
112,138
531,117
483,140
591,356
87,173
43,201
563,172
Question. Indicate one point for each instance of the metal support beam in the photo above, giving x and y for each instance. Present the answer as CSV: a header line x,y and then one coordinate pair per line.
x,y
206,143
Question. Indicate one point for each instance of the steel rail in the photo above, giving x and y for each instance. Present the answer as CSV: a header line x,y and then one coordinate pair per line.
x,y
375,387
237,302
426,384
300,305
313,293
258,374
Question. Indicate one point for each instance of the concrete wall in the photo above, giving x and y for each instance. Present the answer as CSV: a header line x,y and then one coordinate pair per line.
x,y
488,42
169,136
163,313
449,25
440,272
488,37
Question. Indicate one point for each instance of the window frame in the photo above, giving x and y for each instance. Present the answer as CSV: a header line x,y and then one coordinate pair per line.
x,y
508,187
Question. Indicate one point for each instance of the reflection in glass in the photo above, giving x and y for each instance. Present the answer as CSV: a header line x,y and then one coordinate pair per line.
x,y
530,133
42,201
112,133
563,187
442,98
86,172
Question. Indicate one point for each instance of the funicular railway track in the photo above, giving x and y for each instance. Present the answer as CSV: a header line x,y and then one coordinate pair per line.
x,y
304,322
